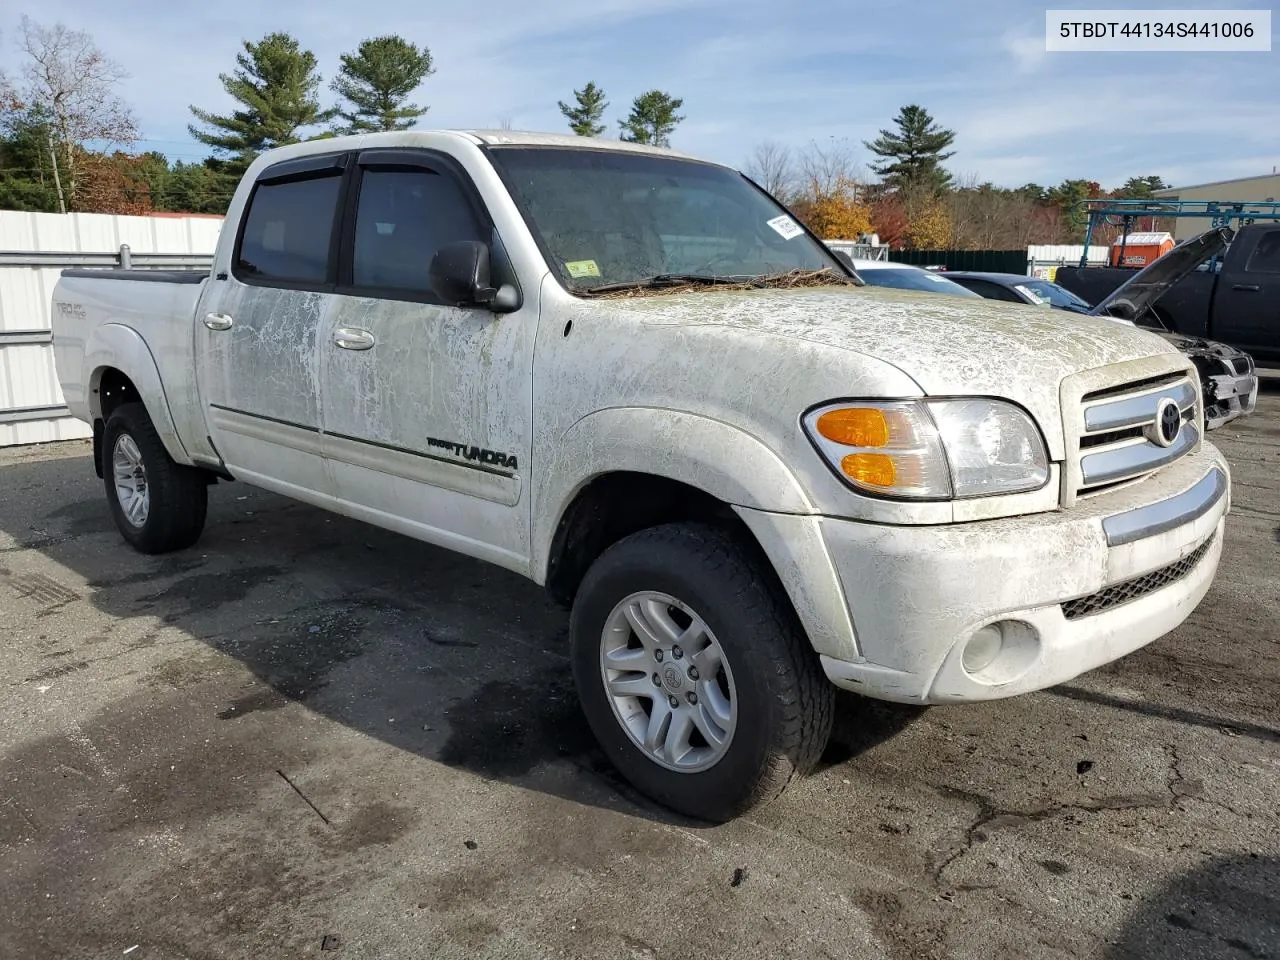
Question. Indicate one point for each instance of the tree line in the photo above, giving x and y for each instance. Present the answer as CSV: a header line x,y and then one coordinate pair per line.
x,y
66,137
652,119
65,133
912,201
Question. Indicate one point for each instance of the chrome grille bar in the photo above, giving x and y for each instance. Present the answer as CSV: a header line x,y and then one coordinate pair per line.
x,y
1117,438
1132,459
1137,410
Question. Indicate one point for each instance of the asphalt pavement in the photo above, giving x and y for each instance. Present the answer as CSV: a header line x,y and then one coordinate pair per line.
x,y
308,737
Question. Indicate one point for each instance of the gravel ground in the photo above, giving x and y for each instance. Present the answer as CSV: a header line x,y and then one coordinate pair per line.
x,y
309,737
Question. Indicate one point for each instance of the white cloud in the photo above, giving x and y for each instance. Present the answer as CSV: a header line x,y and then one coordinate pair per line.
x,y
1027,50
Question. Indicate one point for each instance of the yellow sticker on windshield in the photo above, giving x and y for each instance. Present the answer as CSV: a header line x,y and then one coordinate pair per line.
x,y
582,268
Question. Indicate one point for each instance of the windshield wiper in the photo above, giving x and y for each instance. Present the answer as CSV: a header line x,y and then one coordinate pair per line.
x,y
658,281
741,281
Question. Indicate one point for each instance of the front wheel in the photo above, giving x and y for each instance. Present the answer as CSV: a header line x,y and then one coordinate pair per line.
x,y
158,504
694,673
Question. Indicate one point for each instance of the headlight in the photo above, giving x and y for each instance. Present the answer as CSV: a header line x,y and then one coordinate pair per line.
x,y
931,449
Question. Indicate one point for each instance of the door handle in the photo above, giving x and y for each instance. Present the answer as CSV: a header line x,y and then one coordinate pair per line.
x,y
353,338
1250,287
218,321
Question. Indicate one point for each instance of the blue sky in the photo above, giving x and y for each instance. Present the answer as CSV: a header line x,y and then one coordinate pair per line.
x,y
748,70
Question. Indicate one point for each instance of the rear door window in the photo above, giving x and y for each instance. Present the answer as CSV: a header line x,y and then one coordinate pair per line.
x,y
288,230
1266,255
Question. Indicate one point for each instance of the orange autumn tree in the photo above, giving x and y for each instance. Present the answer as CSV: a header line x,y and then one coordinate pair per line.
x,y
929,227
111,185
832,211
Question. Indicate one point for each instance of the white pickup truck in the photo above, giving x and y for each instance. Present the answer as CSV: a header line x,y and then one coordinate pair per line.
x,y
631,376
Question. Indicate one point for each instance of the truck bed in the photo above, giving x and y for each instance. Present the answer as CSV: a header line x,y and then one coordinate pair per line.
x,y
99,322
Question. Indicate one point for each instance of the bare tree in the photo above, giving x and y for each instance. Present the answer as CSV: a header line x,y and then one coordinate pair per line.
x,y
986,217
829,169
979,214
504,123
8,95
770,165
10,101
73,83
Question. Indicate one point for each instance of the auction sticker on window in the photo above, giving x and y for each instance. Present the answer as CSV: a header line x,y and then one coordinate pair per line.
x,y
785,227
582,268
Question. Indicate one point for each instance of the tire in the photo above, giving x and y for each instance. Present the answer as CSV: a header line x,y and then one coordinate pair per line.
x,y
779,703
175,497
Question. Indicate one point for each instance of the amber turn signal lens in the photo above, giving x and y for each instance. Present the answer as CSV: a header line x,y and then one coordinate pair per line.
x,y
855,427
870,469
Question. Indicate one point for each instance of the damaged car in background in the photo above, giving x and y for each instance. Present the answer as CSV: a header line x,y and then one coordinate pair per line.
x,y
1227,377
1228,380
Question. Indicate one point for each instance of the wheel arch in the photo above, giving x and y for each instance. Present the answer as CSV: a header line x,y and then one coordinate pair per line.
x,y
121,368
614,505
625,482
708,460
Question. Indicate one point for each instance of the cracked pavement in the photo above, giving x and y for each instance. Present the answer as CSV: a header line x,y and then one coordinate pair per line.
x,y
309,737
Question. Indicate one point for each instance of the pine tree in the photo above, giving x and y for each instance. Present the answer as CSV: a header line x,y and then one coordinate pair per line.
x,y
652,119
1140,188
376,82
26,163
276,85
913,154
584,118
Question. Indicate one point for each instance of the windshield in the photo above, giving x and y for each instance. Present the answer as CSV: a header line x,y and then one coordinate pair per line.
x,y
913,278
1054,295
607,217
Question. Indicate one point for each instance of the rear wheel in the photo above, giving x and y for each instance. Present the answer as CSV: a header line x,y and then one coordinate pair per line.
x,y
158,505
694,673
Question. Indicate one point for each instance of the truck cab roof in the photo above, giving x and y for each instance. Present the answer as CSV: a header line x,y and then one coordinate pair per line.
x,y
477,137
535,138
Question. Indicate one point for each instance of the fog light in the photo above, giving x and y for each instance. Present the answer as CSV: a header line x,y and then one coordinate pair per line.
x,y
983,647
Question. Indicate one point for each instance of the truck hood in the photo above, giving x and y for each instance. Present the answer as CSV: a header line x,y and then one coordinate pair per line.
x,y
950,346
1132,298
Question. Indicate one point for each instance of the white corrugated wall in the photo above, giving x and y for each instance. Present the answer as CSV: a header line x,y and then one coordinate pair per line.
x,y
28,380
1044,259
1067,254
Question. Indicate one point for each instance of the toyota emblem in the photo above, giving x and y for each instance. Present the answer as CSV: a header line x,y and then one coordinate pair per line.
x,y
1168,422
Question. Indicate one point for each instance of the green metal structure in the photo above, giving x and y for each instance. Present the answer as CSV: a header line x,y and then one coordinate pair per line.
x,y
1219,213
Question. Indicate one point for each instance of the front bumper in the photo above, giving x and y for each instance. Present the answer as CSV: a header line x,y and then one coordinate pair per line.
x,y
1229,396
1129,565
1228,380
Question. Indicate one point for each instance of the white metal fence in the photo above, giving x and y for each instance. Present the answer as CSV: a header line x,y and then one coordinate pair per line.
x,y
1044,259
859,251
34,249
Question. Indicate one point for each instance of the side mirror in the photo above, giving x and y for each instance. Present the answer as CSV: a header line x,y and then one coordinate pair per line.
x,y
459,274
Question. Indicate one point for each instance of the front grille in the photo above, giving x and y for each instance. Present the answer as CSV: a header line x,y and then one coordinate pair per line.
x,y
1242,365
1111,436
1134,386
1118,431
1118,593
